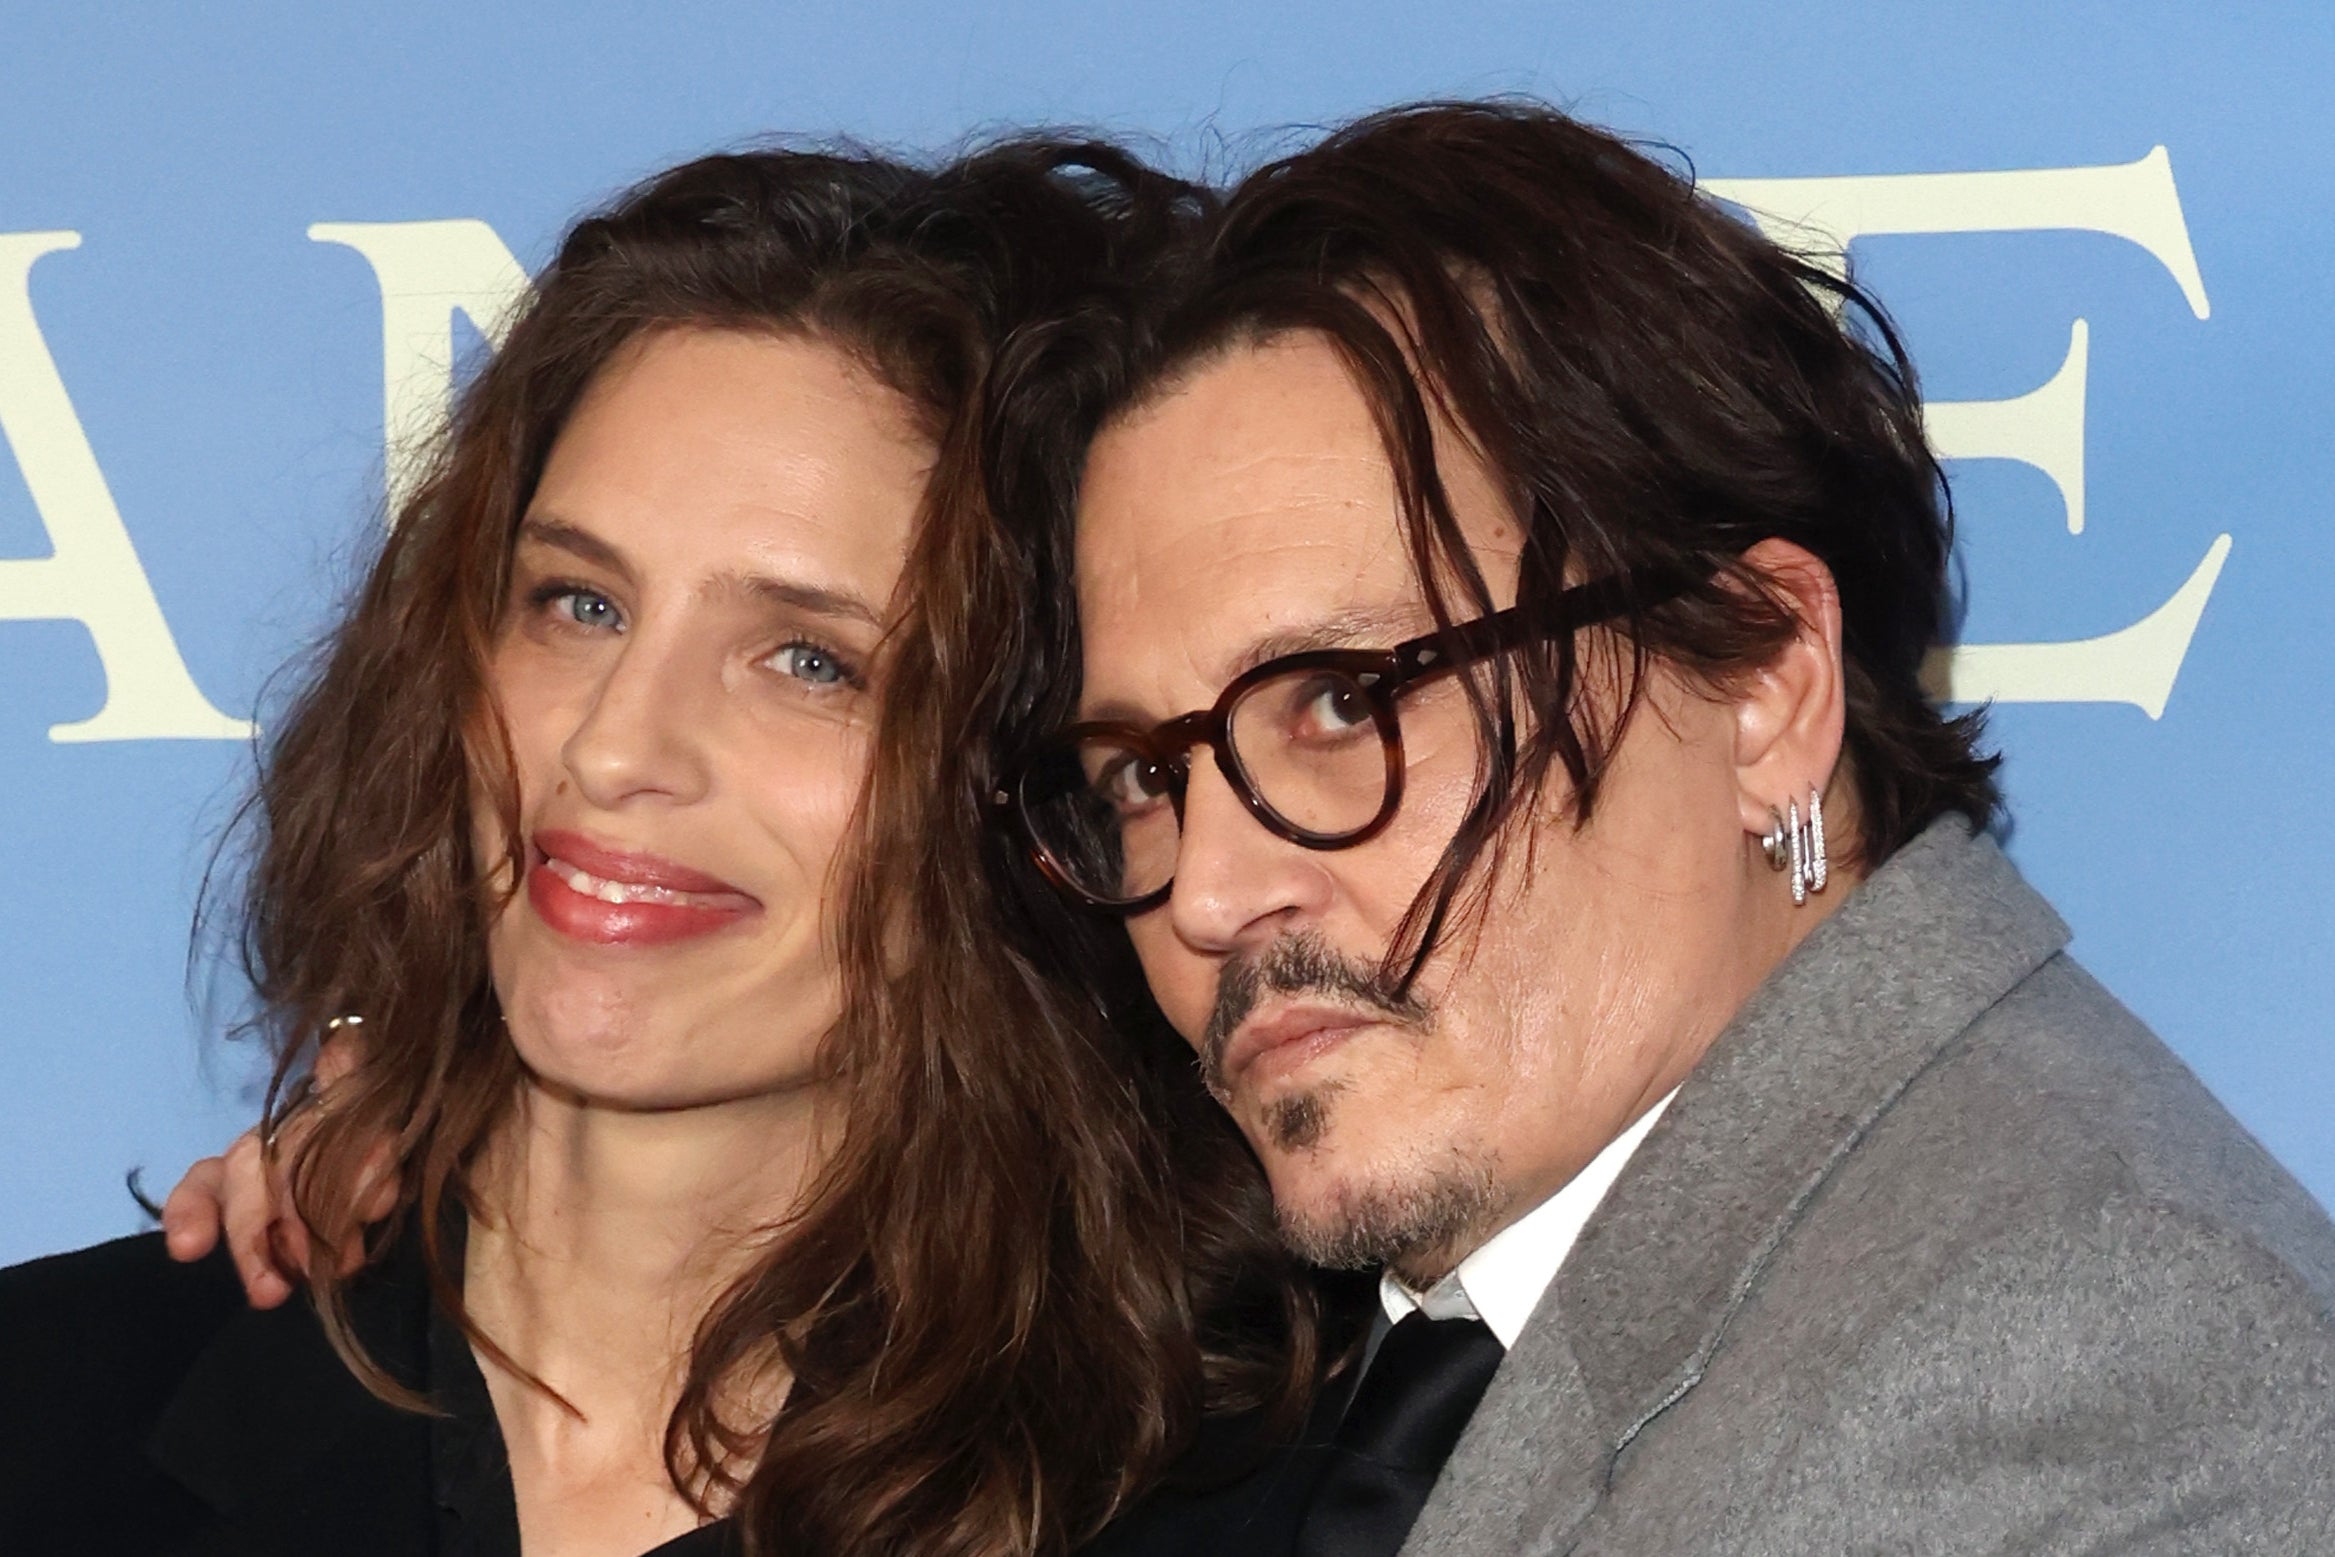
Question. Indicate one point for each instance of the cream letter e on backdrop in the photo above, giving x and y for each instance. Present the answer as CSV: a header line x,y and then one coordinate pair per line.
x,y
2134,201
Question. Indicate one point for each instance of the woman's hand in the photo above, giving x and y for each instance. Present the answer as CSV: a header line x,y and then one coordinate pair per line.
x,y
245,1196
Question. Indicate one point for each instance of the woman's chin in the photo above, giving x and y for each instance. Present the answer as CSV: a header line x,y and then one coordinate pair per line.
x,y
602,1080
599,1054
633,1072
610,1044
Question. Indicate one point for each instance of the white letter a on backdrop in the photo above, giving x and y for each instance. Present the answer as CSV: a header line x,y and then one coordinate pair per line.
x,y
92,575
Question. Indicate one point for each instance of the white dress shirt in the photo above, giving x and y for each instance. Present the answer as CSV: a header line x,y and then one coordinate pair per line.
x,y
1501,1283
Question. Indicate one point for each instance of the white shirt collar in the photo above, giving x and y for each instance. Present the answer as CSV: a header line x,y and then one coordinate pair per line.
x,y
1501,1283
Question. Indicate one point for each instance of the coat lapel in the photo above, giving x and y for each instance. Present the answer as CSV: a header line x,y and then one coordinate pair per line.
x,y
1533,1459
293,1455
1941,932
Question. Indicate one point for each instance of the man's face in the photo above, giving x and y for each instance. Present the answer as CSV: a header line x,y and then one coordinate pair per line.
x,y
1252,512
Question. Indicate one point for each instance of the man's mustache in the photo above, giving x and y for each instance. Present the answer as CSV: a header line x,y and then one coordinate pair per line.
x,y
1299,962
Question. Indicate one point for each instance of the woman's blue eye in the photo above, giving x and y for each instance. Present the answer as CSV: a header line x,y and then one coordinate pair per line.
x,y
587,609
808,662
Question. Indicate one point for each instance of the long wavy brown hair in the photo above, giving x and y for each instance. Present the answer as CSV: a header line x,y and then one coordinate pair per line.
x,y
1039,1253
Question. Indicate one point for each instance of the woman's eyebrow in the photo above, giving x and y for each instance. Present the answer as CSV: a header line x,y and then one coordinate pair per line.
x,y
580,543
575,540
813,598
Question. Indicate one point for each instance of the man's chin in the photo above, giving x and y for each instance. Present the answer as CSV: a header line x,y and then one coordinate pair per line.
x,y
1350,1218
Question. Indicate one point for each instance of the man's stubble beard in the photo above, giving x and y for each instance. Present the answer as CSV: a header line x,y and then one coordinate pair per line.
x,y
1417,1221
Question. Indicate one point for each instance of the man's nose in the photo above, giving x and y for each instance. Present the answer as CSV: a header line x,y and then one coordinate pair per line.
x,y
1237,883
643,734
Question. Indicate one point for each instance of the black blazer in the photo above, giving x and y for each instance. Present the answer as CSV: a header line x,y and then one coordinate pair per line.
x,y
145,1411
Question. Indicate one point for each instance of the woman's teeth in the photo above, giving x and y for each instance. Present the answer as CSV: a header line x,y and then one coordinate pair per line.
x,y
620,891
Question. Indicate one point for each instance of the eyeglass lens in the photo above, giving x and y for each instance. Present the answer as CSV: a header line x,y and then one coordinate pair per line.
x,y
1309,745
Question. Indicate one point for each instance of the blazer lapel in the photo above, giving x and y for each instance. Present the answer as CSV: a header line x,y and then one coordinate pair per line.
x,y
1941,932
272,1431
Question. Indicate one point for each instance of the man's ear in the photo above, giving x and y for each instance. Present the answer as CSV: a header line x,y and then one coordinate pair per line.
x,y
1790,712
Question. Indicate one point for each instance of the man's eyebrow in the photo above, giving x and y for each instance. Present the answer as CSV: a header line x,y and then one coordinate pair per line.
x,y
575,540
1357,627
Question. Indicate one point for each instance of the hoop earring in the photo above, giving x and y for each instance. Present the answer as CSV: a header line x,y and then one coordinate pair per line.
x,y
303,1095
1773,843
1796,846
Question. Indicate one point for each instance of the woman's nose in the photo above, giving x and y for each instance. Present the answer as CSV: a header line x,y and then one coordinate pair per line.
x,y
642,734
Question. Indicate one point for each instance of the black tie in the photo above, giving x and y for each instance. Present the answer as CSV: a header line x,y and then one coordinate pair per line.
x,y
1418,1394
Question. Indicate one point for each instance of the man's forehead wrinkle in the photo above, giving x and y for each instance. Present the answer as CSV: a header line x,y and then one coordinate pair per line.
x,y
1298,483
1376,468
1230,591
1154,548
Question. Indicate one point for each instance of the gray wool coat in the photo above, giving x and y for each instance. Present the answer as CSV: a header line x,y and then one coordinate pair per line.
x,y
1939,1251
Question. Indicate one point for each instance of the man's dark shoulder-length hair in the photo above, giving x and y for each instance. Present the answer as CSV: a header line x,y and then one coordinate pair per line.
x,y
1656,386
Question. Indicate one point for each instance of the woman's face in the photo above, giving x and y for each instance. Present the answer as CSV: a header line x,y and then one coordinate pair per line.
x,y
685,663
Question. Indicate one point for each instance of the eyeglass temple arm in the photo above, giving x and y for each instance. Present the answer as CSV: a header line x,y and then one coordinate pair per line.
x,y
1580,605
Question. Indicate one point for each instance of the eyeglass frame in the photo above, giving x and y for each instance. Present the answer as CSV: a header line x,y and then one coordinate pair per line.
x,y
1383,675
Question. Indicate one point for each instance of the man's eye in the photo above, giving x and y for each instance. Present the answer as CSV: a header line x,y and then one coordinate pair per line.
x,y
1331,706
1135,783
809,663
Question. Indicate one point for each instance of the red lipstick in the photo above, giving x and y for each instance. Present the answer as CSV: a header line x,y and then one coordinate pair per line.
x,y
606,896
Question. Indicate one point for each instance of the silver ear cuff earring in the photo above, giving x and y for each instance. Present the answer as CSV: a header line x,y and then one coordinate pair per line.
x,y
1796,845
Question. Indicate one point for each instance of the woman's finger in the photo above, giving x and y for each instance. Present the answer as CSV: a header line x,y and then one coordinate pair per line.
x,y
249,1194
192,1216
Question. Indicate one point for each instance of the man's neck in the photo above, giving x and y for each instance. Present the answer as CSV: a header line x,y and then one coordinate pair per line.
x,y
1501,1280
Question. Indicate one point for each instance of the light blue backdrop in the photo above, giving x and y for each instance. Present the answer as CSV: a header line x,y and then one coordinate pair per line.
x,y
225,371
